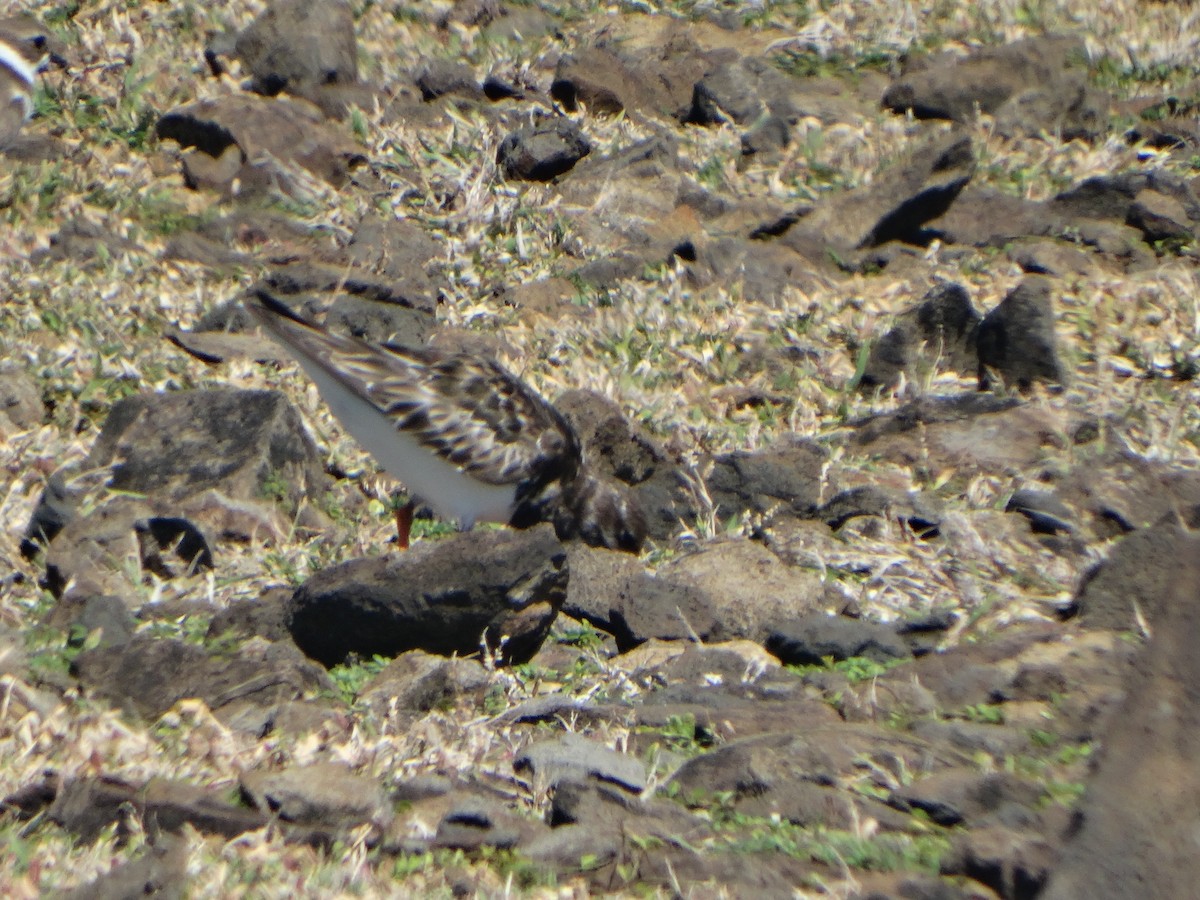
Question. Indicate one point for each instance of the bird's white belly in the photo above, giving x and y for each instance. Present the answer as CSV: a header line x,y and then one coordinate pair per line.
x,y
451,492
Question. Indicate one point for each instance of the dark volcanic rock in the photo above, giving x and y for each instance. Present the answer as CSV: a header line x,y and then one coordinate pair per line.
x,y
1130,586
575,758
439,77
419,682
183,443
953,87
207,464
244,137
1057,258
591,821
1180,133
985,217
297,46
610,440
598,805
972,738
542,152
57,505
1122,491
608,80
764,271
263,617
81,616
381,321
151,675
173,536
750,588
768,135
1014,863
447,597
666,499
86,806
810,639
20,399
1118,196
744,90
1069,107
1016,340
89,548
193,247
324,794
731,92
614,592
1127,839
739,708
785,476
939,332
1045,512
954,796
920,512
978,431
473,822
764,767
401,250
1160,218
620,449
303,276
598,79
84,243
159,873
896,206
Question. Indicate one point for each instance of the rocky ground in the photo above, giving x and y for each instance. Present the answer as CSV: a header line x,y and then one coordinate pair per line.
x,y
886,311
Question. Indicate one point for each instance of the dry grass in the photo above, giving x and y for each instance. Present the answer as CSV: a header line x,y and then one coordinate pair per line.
x,y
90,334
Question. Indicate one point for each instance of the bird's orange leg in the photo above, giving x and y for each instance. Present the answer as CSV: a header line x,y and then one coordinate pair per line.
x,y
404,520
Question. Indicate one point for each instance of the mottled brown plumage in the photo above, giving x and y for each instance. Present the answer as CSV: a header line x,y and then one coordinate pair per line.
x,y
25,50
461,432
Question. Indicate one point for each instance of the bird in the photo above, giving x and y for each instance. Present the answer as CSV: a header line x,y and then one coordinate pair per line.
x,y
469,438
24,51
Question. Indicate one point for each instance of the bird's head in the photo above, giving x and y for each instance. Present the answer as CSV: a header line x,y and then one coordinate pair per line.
x,y
601,512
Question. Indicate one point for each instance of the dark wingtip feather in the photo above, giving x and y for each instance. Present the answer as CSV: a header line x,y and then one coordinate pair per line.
x,y
264,302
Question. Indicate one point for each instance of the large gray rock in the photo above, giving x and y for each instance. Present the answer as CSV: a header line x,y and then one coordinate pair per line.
x,y
1016,340
949,87
449,596
1136,833
542,152
615,593
246,444
250,141
895,206
575,758
936,334
327,794
750,588
298,46
1129,590
150,675
807,640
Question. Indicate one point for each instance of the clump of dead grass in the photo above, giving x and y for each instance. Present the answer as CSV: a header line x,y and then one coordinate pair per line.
x,y
89,333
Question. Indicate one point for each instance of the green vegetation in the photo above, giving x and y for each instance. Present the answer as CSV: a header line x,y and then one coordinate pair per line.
x,y
708,355
882,853
350,678
856,669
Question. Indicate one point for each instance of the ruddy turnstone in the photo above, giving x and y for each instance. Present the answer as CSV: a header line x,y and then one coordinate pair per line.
x,y
24,52
461,432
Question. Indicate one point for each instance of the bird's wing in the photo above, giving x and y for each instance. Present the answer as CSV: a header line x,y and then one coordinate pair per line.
x,y
469,410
